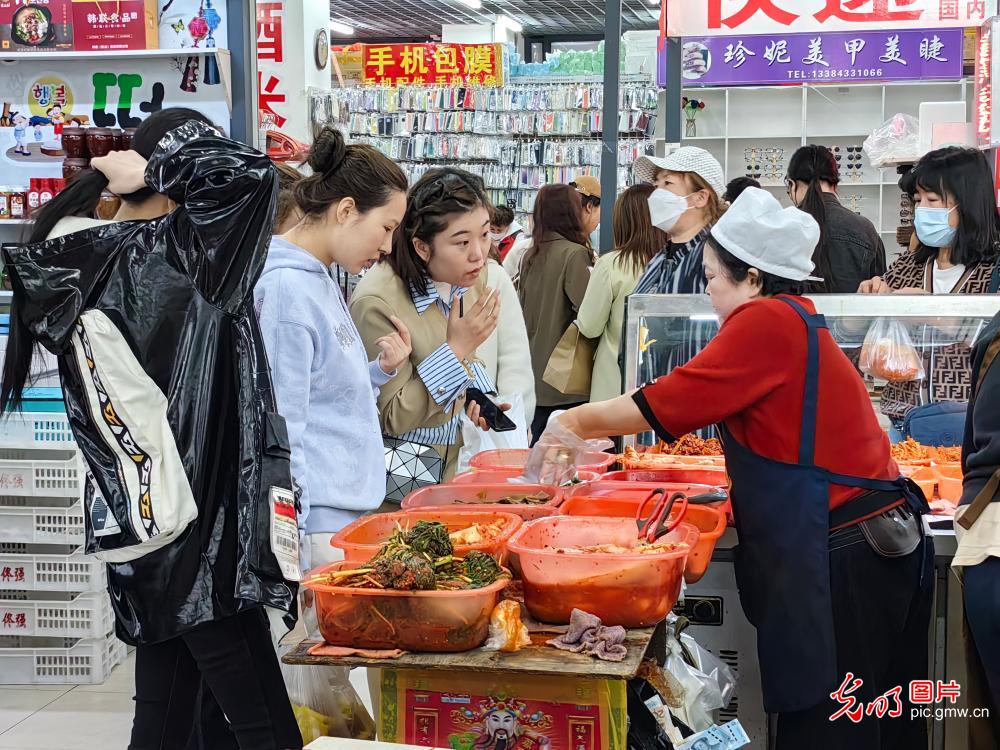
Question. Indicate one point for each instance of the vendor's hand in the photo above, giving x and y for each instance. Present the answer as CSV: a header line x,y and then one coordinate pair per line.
x,y
396,347
910,290
125,170
875,285
466,334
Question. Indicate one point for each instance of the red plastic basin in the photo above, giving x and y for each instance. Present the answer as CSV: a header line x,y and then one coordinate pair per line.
x,y
710,522
361,539
714,476
483,498
638,491
632,590
500,476
515,458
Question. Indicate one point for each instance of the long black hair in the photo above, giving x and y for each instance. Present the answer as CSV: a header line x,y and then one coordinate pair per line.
x,y
815,165
964,174
79,198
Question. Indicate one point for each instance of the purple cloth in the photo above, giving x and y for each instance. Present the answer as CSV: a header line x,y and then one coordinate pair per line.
x,y
586,635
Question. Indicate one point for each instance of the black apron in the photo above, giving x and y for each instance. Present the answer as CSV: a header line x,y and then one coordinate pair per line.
x,y
782,561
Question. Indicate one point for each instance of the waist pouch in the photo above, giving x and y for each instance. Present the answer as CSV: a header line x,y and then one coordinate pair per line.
x,y
895,533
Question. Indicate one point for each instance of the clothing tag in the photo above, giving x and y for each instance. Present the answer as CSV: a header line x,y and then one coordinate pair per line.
x,y
285,533
102,520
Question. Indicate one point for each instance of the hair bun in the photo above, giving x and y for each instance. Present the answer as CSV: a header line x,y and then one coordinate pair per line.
x,y
328,151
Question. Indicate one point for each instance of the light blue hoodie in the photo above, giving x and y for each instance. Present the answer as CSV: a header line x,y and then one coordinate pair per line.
x,y
325,387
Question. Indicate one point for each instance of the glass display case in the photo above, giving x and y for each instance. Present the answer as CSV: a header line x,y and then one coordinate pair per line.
x,y
664,331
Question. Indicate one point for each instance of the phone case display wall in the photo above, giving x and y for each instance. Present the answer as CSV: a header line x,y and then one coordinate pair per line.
x,y
517,138
56,622
754,131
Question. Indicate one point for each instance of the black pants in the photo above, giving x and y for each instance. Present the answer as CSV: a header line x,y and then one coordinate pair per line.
x,y
542,414
982,610
882,613
237,662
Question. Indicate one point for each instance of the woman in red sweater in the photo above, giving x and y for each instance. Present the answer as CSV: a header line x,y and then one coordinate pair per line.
x,y
833,568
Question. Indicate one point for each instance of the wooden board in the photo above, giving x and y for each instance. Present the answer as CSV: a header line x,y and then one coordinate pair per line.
x,y
537,659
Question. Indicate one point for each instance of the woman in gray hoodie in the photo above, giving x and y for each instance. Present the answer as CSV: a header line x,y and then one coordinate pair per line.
x,y
325,385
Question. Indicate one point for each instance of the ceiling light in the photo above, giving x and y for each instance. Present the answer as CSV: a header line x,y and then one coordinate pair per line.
x,y
341,28
654,2
510,23
474,4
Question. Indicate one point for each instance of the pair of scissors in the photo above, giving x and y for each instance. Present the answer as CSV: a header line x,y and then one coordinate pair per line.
x,y
658,522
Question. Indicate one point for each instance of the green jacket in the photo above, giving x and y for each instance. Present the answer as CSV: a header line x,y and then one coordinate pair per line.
x,y
551,289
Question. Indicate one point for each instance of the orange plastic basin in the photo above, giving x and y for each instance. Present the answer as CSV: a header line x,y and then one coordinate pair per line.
x,y
925,478
710,522
483,498
949,479
710,475
435,621
362,539
515,458
632,590
500,476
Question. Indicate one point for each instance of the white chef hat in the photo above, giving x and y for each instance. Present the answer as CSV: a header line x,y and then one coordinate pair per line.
x,y
758,231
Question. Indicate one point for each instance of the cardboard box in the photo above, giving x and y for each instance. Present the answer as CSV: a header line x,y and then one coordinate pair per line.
x,y
107,25
467,710
36,25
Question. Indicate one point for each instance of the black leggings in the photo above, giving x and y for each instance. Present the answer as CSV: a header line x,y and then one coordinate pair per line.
x,y
235,659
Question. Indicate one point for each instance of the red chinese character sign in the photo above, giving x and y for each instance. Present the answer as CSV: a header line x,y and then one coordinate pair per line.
x,y
123,24
272,96
986,79
729,17
432,64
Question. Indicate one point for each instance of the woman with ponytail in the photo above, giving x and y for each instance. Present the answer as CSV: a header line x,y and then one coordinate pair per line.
x,y
166,389
850,250
325,384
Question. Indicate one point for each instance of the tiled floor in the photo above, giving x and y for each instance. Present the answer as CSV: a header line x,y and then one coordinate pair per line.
x,y
84,717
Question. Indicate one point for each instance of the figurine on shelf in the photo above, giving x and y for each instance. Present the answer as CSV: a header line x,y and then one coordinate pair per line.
x,y
21,135
691,108
213,19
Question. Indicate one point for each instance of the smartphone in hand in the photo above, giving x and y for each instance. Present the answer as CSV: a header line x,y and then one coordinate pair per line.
x,y
494,416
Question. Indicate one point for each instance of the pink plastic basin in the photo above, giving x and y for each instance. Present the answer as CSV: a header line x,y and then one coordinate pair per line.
x,y
483,498
632,590
515,458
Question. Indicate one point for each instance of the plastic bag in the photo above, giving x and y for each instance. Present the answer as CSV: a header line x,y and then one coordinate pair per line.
x,y
888,353
706,683
555,457
323,700
507,633
475,441
897,139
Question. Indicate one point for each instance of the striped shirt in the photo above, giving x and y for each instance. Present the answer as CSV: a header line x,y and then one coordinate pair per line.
x,y
444,374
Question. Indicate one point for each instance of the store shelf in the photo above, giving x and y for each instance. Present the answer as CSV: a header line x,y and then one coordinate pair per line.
x,y
123,54
14,222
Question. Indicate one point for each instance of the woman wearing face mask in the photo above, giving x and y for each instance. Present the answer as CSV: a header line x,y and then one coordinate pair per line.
x,y
554,277
958,231
434,283
325,385
602,314
165,383
844,582
850,249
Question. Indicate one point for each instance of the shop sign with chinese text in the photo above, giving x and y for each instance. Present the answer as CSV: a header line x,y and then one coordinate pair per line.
x,y
986,78
842,57
432,64
700,18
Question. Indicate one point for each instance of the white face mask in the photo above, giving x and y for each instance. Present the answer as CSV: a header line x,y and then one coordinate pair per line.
x,y
497,236
666,208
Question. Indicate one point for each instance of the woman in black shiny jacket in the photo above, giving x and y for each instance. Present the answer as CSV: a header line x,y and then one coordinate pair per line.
x,y
171,290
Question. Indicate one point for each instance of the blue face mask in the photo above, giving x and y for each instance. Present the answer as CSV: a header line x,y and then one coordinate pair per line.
x,y
932,227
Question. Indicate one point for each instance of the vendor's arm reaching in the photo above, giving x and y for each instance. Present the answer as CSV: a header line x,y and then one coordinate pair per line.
x,y
619,416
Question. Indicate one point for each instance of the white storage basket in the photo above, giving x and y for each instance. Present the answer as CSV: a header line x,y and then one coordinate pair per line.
x,y
49,568
41,473
59,661
42,525
38,430
70,616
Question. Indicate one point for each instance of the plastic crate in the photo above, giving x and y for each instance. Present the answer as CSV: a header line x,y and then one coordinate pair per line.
x,y
42,525
69,616
59,661
50,568
41,473
37,430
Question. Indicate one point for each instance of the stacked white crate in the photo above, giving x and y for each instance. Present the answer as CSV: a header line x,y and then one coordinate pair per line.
x,y
56,623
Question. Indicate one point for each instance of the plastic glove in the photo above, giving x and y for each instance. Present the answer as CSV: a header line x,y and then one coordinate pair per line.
x,y
554,458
